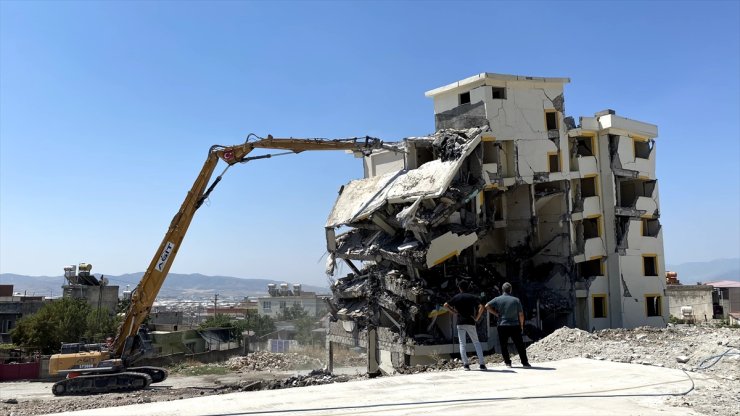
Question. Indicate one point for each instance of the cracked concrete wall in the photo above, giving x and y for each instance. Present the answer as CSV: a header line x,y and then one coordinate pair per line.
x,y
699,297
598,286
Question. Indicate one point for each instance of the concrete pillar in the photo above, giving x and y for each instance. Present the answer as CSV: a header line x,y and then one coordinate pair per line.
x,y
329,356
373,364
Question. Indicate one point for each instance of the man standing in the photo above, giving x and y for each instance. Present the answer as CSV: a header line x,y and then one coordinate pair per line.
x,y
468,309
510,315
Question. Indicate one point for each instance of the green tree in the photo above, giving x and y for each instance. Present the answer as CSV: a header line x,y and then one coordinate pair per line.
x,y
304,327
260,325
304,324
294,312
63,320
263,325
100,325
217,321
123,305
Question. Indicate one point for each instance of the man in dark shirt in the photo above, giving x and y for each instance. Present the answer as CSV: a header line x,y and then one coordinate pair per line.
x,y
510,315
468,309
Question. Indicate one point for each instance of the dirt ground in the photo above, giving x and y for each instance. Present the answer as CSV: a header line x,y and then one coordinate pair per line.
x,y
705,351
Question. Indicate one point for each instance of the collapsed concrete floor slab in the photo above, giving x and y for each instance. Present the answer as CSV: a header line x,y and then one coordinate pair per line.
x,y
416,233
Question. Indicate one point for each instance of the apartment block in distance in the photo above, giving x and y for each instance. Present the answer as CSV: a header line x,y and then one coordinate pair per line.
x,y
507,189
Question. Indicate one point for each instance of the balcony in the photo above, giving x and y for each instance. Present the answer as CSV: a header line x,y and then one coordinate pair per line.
x,y
591,249
645,207
587,166
584,165
586,208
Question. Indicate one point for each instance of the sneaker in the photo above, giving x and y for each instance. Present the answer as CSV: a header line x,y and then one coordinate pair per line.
x,y
466,367
483,367
527,365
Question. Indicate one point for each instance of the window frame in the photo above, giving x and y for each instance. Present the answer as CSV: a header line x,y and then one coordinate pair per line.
x,y
659,311
500,89
655,265
549,164
460,98
605,308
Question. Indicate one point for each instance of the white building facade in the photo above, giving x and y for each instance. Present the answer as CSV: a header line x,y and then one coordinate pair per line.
x,y
583,199
282,297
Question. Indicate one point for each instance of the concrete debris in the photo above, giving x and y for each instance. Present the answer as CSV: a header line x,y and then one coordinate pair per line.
x,y
268,361
314,378
713,359
420,230
714,352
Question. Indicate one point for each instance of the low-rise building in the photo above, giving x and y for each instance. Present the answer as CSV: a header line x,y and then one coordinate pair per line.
x,y
691,303
14,306
84,285
282,297
726,297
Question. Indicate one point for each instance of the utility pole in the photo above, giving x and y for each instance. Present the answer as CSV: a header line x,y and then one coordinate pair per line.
x,y
215,305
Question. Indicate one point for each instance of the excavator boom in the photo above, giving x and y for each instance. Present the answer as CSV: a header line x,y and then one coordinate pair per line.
x,y
146,292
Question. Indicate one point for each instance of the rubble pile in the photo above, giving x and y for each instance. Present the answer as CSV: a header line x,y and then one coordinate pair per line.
x,y
410,235
710,355
314,378
447,365
402,225
269,361
706,351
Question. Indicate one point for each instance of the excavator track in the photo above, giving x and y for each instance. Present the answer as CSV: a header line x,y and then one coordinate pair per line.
x,y
156,373
102,383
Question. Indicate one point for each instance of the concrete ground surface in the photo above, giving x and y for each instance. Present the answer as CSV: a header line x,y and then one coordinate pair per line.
x,y
574,386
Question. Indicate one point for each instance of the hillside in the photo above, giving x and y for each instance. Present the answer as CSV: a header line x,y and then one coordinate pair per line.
x,y
183,286
707,271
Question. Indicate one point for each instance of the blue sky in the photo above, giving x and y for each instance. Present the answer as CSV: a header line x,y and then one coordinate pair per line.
x,y
107,110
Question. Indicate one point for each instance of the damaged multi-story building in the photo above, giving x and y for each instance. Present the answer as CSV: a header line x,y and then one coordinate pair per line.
x,y
507,189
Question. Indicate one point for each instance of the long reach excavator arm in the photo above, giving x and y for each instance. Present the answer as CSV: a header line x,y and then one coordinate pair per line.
x,y
145,293
111,369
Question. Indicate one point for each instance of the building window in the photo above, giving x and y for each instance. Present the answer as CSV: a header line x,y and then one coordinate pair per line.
x,y
498,93
591,228
650,228
650,265
588,187
551,120
584,146
632,189
653,305
643,148
267,306
282,304
297,304
590,268
465,98
553,162
599,306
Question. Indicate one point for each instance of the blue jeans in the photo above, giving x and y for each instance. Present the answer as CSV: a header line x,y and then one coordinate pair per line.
x,y
473,333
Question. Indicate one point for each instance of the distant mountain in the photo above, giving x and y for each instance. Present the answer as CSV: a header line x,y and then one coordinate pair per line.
x,y
183,286
707,271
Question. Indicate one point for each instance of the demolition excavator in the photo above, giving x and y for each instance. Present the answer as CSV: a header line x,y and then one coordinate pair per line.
x,y
92,368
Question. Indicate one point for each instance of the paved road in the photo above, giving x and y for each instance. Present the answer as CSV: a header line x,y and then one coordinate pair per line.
x,y
575,387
